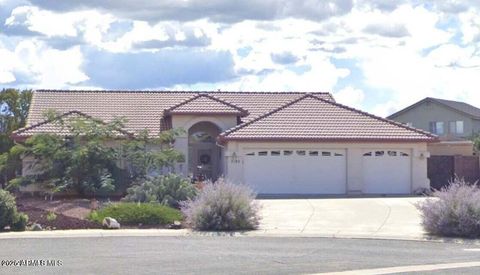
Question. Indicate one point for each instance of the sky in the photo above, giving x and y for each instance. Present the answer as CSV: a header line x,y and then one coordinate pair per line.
x,y
376,55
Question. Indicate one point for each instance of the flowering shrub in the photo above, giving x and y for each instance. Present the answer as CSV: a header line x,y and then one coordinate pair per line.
x,y
222,206
453,211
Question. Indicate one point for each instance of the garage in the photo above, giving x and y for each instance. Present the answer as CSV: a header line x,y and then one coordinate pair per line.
x,y
387,171
296,171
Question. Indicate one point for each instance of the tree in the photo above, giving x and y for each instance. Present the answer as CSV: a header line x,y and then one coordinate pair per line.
x,y
14,106
86,160
144,161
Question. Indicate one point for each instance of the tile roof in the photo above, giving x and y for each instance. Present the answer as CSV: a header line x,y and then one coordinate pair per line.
x,y
206,104
51,126
312,118
458,106
144,109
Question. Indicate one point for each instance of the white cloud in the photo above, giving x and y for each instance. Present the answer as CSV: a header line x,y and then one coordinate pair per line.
x,y
397,52
350,96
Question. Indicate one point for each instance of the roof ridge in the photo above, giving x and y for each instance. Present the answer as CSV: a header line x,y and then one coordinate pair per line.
x,y
244,124
174,91
214,98
48,120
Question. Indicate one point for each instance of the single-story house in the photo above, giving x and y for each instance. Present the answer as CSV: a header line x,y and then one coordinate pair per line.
x,y
276,142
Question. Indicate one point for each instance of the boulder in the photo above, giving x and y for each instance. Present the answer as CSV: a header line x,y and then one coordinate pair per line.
x,y
37,227
110,223
176,225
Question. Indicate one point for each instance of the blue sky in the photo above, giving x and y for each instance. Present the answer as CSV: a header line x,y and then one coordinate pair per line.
x,y
376,55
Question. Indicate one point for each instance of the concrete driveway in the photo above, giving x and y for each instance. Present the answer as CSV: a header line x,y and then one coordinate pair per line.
x,y
393,218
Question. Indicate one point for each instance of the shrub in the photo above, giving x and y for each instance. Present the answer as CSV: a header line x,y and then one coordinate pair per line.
x,y
51,216
168,190
453,211
8,209
8,213
137,213
20,224
222,206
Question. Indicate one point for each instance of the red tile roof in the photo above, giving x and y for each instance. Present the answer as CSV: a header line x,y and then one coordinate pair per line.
x,y
206,104
51,126
144,109
311,118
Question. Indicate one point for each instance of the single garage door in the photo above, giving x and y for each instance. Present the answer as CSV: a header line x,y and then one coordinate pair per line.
x,y
296,171
387,171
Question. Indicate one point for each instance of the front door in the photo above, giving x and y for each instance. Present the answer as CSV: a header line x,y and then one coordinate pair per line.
x,y
204,153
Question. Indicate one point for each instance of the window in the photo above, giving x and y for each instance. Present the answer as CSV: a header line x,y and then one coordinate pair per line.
x,y
456,127
392,153
326,154
202,137
338,155
287,152
313,153
369,154
403,154
379,153
263,153
436,127
275,153
301,153
251,154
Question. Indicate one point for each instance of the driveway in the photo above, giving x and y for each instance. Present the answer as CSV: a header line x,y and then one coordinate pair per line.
x,y
343,217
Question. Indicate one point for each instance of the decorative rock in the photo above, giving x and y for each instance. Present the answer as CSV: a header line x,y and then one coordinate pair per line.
x,y
110,223
37,227
176,225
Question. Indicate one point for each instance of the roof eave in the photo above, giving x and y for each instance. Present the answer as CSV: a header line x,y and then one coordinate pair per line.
x,y
226,139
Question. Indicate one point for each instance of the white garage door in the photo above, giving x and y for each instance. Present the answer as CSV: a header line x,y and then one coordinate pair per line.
x,y
387,171
296,171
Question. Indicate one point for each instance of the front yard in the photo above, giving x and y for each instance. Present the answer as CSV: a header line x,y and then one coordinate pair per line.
x,y
76,213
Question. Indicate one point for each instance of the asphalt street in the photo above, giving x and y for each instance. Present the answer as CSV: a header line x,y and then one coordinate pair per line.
x,y
233,255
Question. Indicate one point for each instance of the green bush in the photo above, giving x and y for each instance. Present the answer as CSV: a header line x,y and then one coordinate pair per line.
x,y
136,213
8,213
20,224
51,216
168,190
223,206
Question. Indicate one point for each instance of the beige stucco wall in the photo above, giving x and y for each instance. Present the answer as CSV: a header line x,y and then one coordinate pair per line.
x,y
224,122
464,148
235,152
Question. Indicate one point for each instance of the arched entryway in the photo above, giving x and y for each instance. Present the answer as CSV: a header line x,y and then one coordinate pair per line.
x,y
204,155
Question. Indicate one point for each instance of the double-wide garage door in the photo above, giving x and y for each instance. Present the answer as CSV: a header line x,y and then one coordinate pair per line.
x,y
324,171
296,171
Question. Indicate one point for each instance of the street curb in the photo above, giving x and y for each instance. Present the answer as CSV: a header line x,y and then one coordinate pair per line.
x,y
101,233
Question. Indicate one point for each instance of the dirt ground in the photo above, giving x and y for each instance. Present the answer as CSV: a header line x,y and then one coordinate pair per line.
x,y
71,213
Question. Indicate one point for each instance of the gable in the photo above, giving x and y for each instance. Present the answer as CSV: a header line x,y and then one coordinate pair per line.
x,y
206,104
424,112
52,126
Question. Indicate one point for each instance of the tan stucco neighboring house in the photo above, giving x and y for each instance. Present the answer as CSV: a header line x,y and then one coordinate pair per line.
x,y
454,122
276,142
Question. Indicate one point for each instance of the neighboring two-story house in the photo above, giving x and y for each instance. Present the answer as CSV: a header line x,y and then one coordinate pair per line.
x,y
453,121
